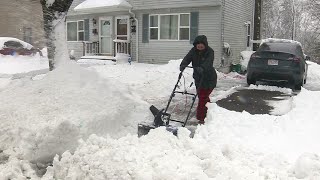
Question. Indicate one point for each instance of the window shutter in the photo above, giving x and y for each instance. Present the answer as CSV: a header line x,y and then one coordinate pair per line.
x,y
145,28
86,30
194,24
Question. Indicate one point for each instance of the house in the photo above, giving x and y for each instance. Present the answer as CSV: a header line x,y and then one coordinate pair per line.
x,y
154,31
22,19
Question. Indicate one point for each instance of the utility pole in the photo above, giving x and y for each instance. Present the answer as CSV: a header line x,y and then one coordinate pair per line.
x,y
257,23
293,20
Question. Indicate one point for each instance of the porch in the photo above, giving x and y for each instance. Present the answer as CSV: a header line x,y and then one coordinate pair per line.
x,y
92,50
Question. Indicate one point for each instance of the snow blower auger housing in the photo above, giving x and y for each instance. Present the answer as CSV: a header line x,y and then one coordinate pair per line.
x,y
162,117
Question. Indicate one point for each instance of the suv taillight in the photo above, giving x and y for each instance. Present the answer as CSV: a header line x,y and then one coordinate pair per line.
x,y
255,56
295,59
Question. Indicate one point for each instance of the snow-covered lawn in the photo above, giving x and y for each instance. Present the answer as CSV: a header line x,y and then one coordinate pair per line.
x,y
89,117
23,65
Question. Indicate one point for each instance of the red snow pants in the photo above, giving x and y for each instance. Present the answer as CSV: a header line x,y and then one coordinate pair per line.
x,y
203,96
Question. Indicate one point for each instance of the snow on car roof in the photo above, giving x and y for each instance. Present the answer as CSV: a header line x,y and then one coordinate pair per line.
x,y
275,40
6,39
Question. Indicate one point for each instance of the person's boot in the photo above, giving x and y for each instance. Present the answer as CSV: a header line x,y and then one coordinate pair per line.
x,y
201,122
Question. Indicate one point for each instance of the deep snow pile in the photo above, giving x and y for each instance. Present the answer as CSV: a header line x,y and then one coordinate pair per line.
x,y
313,78
154,82
10,65
41,118
245,57
231,145
147,80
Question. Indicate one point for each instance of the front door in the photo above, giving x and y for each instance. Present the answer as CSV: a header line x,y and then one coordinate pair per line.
x,y
122,27
106,36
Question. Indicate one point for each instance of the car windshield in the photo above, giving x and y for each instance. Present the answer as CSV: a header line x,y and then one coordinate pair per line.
x,y
290,48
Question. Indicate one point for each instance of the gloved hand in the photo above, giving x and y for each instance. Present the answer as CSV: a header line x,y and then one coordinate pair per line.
x,y
198,70
182,67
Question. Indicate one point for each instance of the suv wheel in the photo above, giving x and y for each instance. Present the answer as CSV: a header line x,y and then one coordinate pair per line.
x,y
250,81
299,85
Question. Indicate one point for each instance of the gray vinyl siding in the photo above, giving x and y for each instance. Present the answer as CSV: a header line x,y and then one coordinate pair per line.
x,y
163,51
235,16
160,4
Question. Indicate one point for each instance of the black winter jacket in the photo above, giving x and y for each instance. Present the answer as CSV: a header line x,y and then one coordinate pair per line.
x,y
204,74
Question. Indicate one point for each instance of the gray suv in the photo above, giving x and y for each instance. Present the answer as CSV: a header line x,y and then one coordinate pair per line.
x,y
278,61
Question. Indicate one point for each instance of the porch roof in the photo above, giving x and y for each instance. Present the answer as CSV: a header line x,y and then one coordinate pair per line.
x,y
102,6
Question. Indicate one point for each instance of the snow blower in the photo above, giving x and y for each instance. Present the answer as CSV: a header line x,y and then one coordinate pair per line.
x,y
163,118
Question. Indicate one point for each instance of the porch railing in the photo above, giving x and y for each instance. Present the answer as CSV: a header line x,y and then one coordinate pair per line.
x,y
121,46
90,48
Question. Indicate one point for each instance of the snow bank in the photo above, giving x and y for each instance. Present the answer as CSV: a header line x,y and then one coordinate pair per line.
x,y
91,62
289,136
5,39
232,145
313,78
245,57
122,58
15,168
23,64
45,117
271,88
236,146
147,80
149,157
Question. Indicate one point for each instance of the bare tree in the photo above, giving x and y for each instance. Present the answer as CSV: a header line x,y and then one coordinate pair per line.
x,y
293,19
49,15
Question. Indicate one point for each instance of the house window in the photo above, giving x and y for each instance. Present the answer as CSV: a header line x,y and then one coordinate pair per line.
x,y
154,27
80,30
27,35
122,28
170,27
248,30
75,31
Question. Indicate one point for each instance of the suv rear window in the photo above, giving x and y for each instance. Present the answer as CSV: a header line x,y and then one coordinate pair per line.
x,y
290,48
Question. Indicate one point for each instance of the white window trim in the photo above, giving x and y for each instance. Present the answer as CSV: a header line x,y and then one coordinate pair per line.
x,y
179,27
128,27
77,30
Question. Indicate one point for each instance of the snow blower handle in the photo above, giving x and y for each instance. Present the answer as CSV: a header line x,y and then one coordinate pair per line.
x,y
181,72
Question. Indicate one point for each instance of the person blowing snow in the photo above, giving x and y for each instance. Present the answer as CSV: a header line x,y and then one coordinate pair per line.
x,y
201,56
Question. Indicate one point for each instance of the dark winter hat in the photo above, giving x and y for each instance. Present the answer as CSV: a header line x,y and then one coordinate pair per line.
x,y
201,39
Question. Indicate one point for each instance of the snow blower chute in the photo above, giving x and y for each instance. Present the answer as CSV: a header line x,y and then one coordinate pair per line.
x,y
163,118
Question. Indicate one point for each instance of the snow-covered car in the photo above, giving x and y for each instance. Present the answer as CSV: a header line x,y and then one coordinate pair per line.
x,y
14,46
278,60
18,58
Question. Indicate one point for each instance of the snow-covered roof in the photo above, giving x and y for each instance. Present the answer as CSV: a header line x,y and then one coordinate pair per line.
x,y
100,6
5,39
275,40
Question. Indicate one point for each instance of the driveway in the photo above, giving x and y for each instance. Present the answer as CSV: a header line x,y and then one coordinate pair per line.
x,y
253,101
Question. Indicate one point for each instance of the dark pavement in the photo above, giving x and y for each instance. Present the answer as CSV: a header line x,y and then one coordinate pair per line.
x,y
251,100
